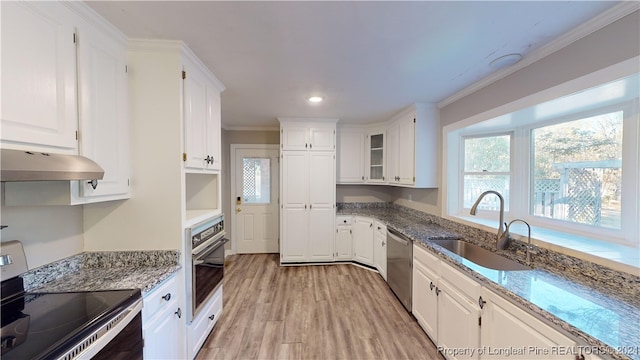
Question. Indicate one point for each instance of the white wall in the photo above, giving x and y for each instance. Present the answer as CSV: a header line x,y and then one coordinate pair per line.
x,y
48,233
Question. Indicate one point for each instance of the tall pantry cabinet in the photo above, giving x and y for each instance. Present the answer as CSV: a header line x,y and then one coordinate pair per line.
x,y
308,185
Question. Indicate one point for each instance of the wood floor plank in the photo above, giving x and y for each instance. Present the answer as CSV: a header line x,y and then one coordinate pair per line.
x,y
324,312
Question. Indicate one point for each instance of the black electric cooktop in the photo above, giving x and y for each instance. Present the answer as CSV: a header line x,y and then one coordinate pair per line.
x,y
45,325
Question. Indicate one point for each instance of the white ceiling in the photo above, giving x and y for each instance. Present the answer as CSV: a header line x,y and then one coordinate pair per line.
x,y
369,60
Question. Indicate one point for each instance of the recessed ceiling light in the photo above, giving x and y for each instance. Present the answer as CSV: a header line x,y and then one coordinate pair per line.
x,y
505,60
315,99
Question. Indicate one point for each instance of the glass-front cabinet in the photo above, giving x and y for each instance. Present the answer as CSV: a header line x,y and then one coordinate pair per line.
x,y
376,157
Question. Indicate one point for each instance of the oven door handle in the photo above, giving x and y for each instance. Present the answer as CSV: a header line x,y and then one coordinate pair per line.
x,y
209,249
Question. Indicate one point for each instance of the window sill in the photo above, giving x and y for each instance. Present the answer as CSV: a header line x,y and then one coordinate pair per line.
x,y
615,256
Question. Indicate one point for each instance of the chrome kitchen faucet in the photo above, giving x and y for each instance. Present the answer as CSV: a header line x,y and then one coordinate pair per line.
x,y
501,241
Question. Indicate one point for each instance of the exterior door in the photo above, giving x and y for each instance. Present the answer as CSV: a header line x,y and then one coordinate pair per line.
x,y
255,202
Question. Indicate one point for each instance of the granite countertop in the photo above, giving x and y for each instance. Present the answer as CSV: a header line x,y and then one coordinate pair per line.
x,y
593,317
94,271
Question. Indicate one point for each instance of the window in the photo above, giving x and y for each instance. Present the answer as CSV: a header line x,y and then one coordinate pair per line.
x,y
568,166
487,166
577,170
256,180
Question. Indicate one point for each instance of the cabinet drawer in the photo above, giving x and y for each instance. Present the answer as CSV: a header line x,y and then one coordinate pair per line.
x,y
160,298
201,327
455,278
426,259
344,220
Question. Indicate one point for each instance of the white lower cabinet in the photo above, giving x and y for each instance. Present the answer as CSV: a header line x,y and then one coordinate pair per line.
x,y
162,322
344,239
426,271
380,248
363,240
469,321
200,328
506,326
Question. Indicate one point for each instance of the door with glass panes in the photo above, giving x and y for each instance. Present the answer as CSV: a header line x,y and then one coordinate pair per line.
x,y
255,201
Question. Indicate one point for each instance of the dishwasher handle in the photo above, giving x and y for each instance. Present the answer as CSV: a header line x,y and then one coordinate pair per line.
x,y
396,236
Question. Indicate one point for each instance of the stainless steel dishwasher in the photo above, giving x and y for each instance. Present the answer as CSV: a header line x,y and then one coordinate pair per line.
x,y
399,266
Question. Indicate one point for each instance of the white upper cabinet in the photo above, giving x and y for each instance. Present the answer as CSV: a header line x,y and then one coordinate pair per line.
x,y
351,159
202,121
104,112
401,152
376,157
313,136
68,92
39,102
413,147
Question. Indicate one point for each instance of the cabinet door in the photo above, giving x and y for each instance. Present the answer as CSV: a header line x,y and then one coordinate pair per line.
x,y
393,139
322,139
376,157
425,301
458,326
321,235
295,234
344,243
195,117
363,240
295,183
504,325
213,133
322,184
104,121
162,336
406,150
351,157
294,138
39,101
380,248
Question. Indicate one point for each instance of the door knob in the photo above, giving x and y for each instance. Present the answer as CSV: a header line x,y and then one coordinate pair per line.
x,y
238,210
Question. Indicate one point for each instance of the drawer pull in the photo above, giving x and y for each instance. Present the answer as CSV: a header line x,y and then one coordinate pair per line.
x,y
179,313
431,286
167,297
212,317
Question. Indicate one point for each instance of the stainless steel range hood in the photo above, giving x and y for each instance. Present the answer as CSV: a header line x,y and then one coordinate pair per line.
x,y
19,165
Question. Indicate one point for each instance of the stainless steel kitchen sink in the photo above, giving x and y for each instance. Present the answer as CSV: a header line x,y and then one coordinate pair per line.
x,y
479,255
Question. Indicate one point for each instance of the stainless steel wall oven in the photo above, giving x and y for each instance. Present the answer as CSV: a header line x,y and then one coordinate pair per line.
x,y
205,267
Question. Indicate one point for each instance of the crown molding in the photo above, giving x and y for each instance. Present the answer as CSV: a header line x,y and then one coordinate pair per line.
x,y
251,128
600,21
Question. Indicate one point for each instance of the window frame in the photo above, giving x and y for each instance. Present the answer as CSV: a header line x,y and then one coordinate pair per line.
x,y
511,134
521,178
628,160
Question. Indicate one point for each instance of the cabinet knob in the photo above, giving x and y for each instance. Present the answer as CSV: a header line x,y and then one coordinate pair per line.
x,y
213,316
431,286
345,221
438,291
481,302
93,183
383,243
167,297
179,313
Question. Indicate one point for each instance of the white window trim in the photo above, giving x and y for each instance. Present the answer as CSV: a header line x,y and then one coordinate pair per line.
x,y
451,202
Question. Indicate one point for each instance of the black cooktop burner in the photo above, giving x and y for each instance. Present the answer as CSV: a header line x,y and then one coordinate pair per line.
x,y
42,326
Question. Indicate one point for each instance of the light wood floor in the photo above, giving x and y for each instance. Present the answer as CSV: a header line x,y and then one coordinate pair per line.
x,y
311,312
